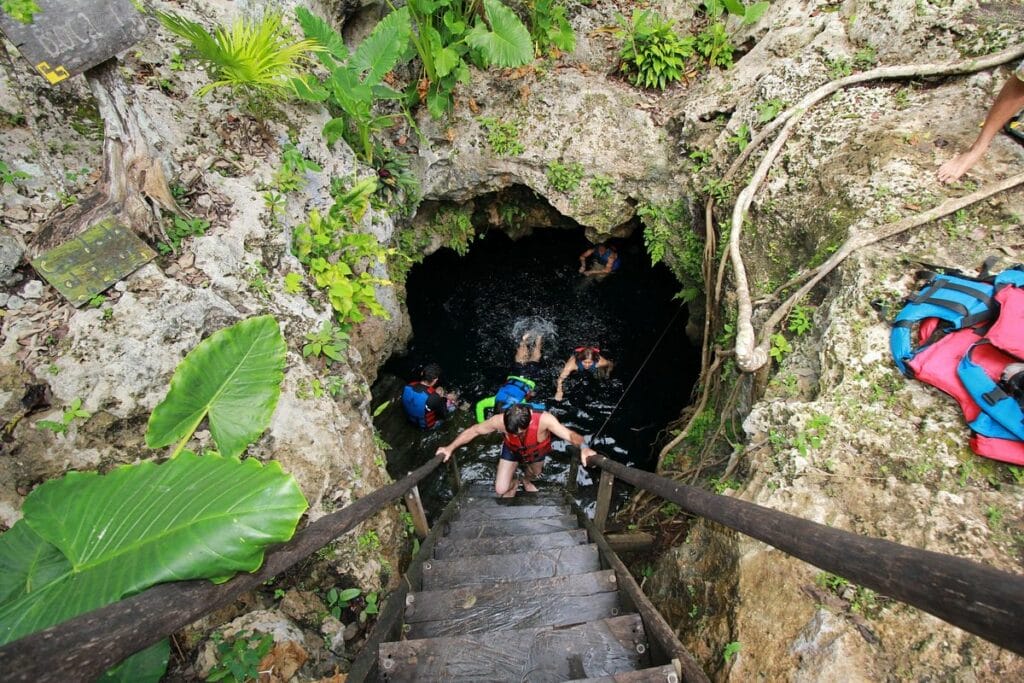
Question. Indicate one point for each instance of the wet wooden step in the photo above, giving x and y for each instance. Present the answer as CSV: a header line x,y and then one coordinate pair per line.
x,y
497,545
494,512
555,601
509,527
600,648
535,564
485,492
658,674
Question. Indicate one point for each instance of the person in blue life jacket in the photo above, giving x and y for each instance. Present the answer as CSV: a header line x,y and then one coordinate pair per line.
x,y
426,405
521,383
527,441
585,360
601,259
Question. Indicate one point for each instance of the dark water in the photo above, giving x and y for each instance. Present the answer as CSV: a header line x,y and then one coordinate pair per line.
x,y
463,312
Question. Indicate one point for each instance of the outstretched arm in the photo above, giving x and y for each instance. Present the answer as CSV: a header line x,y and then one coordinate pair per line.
x,y
567,369
487,427
1008,102
550,423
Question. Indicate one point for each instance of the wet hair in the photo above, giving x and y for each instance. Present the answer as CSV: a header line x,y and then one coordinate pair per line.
x,y
588,353
431,371
517,418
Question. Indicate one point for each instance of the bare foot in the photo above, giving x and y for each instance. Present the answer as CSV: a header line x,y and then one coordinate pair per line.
x,y
529,487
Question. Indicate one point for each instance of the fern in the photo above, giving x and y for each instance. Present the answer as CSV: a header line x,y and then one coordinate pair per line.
x,y
254,54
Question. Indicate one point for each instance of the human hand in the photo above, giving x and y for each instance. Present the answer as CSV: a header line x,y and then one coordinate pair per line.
x,y
586,454
445,451
582,268
558,395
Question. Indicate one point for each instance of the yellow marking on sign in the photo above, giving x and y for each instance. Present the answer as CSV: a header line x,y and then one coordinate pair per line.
x,y
53,75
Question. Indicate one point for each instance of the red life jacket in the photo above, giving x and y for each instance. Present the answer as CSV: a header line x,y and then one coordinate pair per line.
x,y
528,449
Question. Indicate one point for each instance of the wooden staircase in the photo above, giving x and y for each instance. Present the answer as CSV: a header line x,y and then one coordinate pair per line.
x,y
517,590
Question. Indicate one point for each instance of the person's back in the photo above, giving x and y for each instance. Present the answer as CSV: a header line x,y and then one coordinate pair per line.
x,y
423,403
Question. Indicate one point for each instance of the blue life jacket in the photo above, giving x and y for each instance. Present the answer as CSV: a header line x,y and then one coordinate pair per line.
x,y
959,302
597,357
414,402
514,390
603,258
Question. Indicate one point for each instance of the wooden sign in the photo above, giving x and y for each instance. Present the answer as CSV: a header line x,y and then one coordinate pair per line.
x,y
83,267
68,37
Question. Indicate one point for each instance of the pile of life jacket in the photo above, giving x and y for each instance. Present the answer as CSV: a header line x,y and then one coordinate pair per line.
x,y
965,336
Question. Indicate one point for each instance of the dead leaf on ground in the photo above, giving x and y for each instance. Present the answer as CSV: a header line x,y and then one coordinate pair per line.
x,y
281,663
473,106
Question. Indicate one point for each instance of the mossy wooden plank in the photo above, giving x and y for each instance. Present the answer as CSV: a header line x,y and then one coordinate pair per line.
x,y
68,37
537,564
555,601
601,648
448,549
509,527
84,266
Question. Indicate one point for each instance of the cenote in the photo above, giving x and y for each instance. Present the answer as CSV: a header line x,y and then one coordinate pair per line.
x,y
463,311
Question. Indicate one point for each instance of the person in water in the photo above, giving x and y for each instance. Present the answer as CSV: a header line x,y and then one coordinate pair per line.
x,y
527,441
600,260
585,360
1007,103
521,383
426,405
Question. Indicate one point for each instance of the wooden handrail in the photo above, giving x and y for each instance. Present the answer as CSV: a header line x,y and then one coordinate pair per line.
x,y
84,647
979,599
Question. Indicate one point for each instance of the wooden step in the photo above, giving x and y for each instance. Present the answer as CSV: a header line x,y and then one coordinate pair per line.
x,y
490,512
535,564
446,549
658,674
486,492
555,601
600,648
509,527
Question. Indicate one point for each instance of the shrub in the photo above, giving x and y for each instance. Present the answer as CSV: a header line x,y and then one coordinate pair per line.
x,y
564,177
652,53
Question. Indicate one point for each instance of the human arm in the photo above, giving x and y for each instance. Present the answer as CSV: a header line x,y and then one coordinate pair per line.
x,y
611,261
567,369
550,423
489,426
1008,102
437,403
583,259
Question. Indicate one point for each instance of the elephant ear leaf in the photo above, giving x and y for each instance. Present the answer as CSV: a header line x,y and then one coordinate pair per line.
x,y
117,534
233,378
508,43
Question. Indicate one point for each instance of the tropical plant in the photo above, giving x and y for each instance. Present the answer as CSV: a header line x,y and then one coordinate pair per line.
x,y
289,175
256,56
396,183
450,34
86,540
239,660
338,601
564,177
652,53
339,256
233,380
24,11
715,46
355,82
502,136
330,341
73,412
748,13
182,227
9,177
549,27
666,230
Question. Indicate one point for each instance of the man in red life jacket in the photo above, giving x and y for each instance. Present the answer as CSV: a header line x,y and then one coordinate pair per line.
x,y
527,435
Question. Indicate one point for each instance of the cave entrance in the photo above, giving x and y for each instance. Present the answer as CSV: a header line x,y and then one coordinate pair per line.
x,y
464,310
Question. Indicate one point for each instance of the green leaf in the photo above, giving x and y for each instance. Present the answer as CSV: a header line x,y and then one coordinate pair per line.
x,y
234,378
734,7
508,42
755,11
379,52
445,60
27,562
348,595
189,518
381,408
319,30
148,666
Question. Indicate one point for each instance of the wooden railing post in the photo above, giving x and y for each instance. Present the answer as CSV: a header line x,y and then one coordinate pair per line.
x,y
453,467
419,515
574,472
604,499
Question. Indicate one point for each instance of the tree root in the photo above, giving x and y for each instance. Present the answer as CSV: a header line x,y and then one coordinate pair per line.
x,y
133,188
751,356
